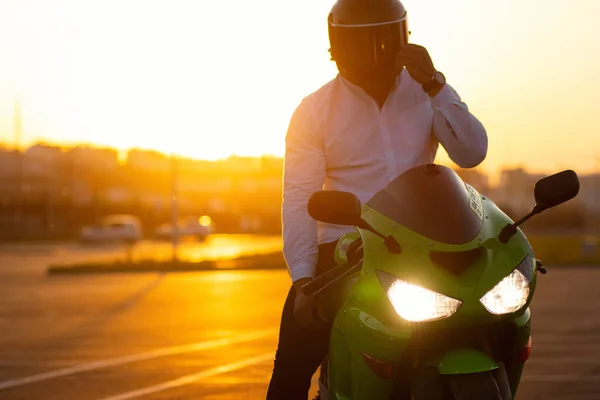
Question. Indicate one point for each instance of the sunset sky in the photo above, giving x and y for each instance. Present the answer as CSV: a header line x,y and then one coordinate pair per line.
x,y
212,78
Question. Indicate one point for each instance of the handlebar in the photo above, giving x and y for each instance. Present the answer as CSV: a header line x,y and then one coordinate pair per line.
x,y
322,282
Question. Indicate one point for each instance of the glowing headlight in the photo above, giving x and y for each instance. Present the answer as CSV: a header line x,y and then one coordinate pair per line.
x,y
416,304
507,296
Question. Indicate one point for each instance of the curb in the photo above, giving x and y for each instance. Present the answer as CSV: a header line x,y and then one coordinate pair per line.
x,y
261,262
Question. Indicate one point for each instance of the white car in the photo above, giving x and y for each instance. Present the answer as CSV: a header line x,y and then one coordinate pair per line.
x,y
113,228
197,227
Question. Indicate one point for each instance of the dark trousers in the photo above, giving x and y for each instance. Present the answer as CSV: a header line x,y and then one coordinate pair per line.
x,y
300,351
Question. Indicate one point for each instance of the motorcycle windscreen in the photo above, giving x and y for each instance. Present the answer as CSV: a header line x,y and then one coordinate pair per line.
x,y
434,202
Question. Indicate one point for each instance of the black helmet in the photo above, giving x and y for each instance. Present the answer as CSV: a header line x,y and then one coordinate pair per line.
x,y
367,34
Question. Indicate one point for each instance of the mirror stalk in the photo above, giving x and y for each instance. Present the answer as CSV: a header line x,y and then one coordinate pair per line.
x,y
389,241
511,229
549,192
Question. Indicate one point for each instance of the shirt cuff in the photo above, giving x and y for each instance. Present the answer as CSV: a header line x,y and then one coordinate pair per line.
x,y
304,270
444,97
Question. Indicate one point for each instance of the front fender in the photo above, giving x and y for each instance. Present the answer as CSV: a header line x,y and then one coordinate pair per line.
x,y
464,361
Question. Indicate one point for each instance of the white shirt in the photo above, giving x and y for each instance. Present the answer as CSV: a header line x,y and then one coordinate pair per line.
x,y
339,139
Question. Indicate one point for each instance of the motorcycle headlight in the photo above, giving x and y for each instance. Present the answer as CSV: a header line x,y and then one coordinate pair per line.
x,y
507,296
417,304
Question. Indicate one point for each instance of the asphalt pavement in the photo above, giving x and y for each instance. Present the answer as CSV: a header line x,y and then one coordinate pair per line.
x,y
212,335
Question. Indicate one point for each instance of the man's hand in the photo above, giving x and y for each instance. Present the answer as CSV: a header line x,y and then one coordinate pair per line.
x,y
417,61
305,307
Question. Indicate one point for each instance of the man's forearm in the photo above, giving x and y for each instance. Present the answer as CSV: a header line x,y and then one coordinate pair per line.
x,y
459,131
304,174
300,239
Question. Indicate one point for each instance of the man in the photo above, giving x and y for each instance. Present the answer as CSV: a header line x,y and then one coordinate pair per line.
x,y
386,112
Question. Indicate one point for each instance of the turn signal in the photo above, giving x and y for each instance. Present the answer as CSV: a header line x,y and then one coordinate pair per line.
x,y
383,369
524,353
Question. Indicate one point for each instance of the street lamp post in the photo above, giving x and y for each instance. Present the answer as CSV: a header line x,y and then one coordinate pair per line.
x,y
174,208
18,173
594,189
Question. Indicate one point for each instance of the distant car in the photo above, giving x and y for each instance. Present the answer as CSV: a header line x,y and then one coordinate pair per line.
x,y
113,228
197,227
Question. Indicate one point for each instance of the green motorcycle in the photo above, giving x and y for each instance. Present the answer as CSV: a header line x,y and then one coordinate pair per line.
x,y
433,289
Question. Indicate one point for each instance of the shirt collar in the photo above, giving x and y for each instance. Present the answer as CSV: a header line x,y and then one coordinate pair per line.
x,y
359,91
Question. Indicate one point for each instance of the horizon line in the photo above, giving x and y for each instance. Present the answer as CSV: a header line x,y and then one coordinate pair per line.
x,y
122,156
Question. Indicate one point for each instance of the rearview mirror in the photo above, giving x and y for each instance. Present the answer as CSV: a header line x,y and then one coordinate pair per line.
x,y
335,207
556,189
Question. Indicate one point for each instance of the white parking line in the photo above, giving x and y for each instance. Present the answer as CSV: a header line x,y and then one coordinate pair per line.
x,y
189,379
166,351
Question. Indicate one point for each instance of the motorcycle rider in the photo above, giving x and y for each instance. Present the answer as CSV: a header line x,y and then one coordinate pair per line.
x,y
386,111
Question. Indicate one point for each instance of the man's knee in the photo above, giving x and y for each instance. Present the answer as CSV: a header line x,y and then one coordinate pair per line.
x,y
299,354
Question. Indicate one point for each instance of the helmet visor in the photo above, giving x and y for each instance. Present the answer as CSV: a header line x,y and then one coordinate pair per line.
x,y
369,44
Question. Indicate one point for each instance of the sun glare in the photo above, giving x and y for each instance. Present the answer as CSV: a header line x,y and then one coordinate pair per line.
x,y
174,76
208,80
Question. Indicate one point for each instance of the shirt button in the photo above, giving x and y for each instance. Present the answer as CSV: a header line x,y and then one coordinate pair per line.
x,y
390,157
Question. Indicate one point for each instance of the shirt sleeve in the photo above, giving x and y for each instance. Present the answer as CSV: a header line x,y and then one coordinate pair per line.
x,y
303,174
461,134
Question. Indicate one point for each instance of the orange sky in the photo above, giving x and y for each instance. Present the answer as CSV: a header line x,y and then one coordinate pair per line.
x,y
208,79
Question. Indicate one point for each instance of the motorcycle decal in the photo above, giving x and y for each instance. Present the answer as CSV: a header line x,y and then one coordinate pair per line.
x,y
475,201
